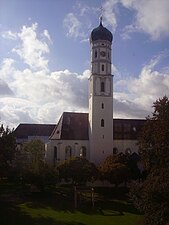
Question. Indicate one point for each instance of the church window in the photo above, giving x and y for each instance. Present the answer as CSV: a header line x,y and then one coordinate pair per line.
x,y
102,122
83,152
68,152
102,105
95,54
55,155
102,67
128,151
55,152
102,86
115,151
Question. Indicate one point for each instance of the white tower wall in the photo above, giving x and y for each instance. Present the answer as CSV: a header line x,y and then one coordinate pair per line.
x,y
100,102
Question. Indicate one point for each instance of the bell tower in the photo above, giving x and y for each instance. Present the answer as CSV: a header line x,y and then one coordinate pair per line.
x,y
100,95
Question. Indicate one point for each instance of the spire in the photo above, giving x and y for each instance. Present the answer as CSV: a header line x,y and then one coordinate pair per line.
x,y
101,19
101,16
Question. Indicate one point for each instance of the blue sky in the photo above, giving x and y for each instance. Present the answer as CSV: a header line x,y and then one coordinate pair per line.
x,y
45,56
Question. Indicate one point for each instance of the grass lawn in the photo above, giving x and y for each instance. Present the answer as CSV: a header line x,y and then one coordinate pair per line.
x,y
57,208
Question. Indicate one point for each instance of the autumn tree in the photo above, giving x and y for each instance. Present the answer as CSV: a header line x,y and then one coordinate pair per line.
x,y
77,169
114,169
152,196
7,150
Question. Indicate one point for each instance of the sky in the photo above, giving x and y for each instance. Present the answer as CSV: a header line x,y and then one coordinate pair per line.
x,y
45,57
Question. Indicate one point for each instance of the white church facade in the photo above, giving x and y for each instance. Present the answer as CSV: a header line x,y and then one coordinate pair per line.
x,y
96,134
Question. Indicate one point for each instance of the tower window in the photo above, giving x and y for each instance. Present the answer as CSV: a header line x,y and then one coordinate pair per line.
x,y
115,151
102,67
102,87
83,152
102,122
55,152
102,105
95,54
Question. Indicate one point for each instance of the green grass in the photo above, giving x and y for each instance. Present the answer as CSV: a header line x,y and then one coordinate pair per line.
x,y
95,216
57,208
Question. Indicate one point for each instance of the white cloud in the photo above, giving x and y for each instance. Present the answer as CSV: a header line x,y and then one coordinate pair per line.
x,y
151,17
73,26
32,50
9,35
4,89
6,69
141,92
109,13
40,96
46,34
77,23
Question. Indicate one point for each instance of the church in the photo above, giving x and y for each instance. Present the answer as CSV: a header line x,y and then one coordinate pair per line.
x,y
96,134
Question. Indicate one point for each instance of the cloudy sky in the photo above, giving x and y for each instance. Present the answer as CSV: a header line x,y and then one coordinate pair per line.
x,y
45,56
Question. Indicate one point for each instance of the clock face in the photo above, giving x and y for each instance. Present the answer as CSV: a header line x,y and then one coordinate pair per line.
x,y
103,54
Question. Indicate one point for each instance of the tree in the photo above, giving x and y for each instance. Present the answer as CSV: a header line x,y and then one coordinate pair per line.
x,y
44,177
77,169
31,167
28,159
35,152
152,196
7,150
154,140
114,169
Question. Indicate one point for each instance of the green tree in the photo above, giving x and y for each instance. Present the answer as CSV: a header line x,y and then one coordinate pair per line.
x,y
114,169
152,196
43,178
7,150
35,154
31,167
77,169
154,140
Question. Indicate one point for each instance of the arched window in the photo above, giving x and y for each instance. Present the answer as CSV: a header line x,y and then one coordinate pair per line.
x,y
102,105
83,152
55,155
102,122
102,86
68,152
128,151
115,151
102,67
95,54
55,152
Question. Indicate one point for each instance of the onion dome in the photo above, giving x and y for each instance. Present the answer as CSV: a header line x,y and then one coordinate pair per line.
x,y
101,33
